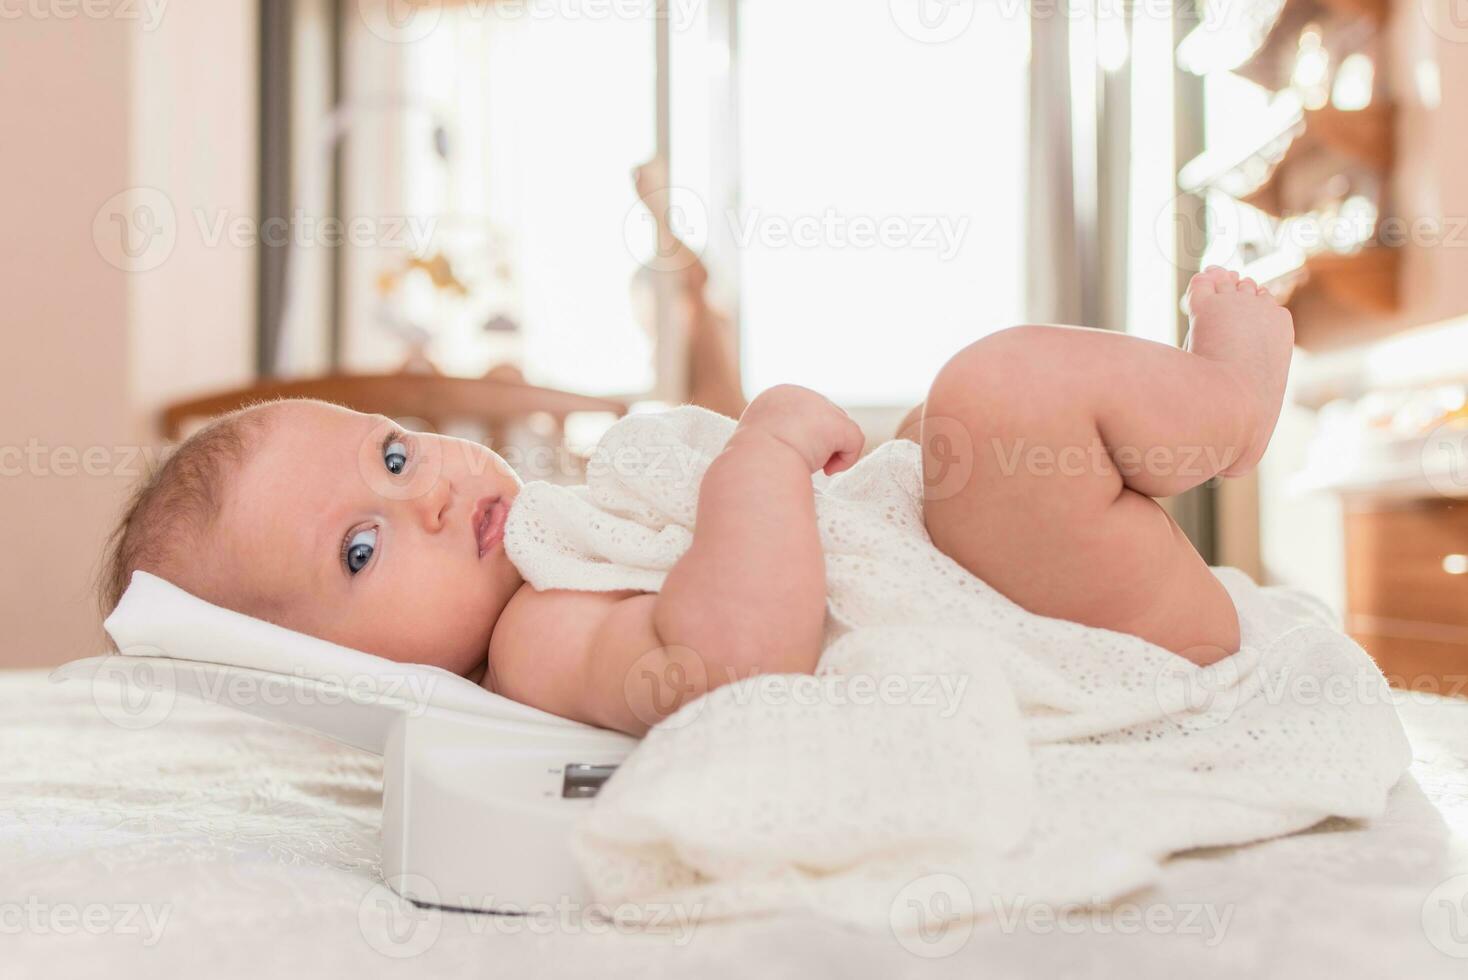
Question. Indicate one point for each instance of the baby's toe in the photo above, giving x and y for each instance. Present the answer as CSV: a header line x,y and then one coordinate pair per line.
x,y
1210,280
1248,287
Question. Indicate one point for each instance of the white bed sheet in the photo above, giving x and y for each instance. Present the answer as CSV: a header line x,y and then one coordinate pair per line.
x,y
216,844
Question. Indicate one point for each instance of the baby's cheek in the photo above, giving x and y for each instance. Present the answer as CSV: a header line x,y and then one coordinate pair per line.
x,y
457,624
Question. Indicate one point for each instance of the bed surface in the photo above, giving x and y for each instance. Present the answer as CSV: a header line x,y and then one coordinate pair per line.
x,y
146,840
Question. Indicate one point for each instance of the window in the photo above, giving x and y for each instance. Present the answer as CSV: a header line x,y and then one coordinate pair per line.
x,y
879,136
548,116
859,186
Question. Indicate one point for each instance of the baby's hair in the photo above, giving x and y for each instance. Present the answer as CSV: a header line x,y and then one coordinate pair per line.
x,y
172,510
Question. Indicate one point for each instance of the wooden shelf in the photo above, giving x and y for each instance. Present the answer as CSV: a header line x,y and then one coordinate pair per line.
x,y
1356,139
1364,136
1314,167
1262,50
1242,168
1347,23
1365,279
1375,11
1209,48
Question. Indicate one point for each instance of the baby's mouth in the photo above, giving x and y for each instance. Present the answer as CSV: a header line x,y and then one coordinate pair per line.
x,y
488,523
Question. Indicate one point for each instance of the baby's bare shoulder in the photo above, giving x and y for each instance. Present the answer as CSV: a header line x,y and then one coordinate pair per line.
x,y
541,643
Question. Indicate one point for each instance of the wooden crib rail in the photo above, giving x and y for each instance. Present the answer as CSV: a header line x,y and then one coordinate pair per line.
x,y
434,398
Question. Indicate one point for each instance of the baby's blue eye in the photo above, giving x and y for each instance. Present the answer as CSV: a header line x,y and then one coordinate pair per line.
x,y
359,549
395,456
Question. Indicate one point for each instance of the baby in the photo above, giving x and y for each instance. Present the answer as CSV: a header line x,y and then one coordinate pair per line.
x,y
345,527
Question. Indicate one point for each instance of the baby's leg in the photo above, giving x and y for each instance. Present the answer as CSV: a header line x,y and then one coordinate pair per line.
x,y
1073,431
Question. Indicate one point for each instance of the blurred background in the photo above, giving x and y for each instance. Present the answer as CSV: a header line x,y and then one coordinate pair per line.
x,y
516,219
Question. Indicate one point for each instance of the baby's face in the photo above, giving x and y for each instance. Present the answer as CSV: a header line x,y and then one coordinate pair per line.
x,y
343,526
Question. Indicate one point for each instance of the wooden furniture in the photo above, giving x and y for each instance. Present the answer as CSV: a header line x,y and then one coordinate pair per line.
x,y
434,399
1310,182
1407,589
1395,453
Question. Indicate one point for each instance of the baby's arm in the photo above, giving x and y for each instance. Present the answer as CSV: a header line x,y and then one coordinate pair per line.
x,y
750,594
748,597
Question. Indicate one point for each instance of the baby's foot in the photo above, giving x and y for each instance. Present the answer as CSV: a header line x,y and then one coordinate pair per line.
x,y
1236,322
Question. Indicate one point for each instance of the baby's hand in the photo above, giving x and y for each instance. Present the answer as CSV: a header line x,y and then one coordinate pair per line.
x,y
825,436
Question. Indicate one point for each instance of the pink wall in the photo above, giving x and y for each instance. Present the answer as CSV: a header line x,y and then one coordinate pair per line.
x,y
65,315
92,108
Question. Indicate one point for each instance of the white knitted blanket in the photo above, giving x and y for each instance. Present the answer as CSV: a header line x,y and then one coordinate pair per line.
x,y
954,754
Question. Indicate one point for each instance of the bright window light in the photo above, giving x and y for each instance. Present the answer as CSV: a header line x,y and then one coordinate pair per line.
x,y
881,193
550,116
1152,240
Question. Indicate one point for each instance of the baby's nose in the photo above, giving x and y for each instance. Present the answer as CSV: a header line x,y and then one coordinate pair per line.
x,y
434,506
